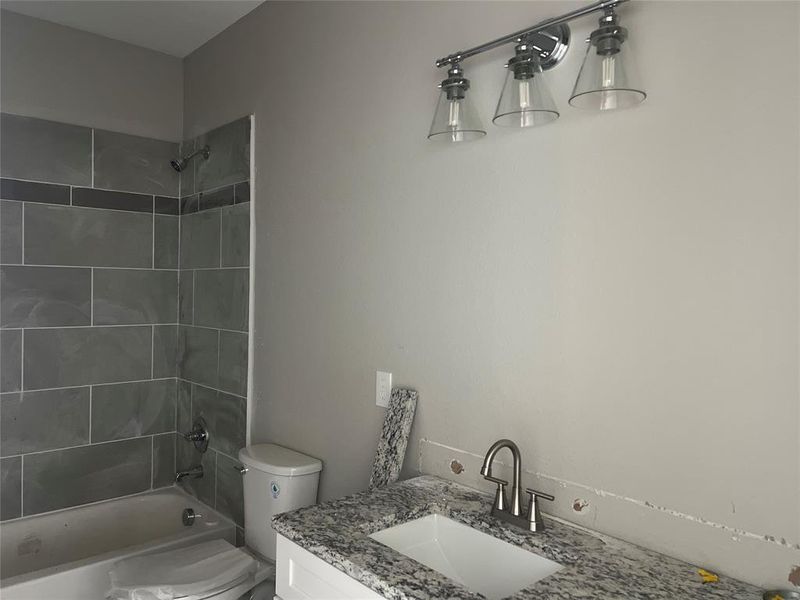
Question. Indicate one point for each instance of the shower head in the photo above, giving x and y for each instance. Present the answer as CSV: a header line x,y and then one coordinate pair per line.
x,y
180,164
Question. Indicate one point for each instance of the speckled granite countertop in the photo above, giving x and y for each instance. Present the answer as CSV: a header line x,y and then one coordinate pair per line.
x,y
595,566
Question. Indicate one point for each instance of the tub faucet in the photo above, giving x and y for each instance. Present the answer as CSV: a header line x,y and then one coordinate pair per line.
x,y
193,473
532,520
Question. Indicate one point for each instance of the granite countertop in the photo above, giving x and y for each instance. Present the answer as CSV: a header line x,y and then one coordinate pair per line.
x,y
595,566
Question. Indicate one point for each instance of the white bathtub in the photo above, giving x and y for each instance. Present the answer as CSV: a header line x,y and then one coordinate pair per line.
x,y
67,554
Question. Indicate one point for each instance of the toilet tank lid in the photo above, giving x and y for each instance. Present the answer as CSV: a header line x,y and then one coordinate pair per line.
x,y
278,460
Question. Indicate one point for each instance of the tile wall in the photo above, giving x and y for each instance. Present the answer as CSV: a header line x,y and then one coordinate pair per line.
x,y
89,279
213,314
124,294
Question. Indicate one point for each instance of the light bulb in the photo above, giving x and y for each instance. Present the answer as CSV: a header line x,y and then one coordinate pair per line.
x,y
608,69
524,94
453,113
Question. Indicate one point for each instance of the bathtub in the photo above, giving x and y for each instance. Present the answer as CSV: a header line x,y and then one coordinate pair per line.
x,y
67,554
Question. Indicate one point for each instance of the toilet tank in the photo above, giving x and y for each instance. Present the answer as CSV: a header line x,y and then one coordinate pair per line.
x,y
277,480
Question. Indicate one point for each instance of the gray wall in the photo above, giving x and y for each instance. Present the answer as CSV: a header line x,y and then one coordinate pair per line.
x,y
59,73
88,314
616,292
214,311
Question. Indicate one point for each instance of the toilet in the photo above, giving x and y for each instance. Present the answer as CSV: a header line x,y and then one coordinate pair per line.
x,y
275,480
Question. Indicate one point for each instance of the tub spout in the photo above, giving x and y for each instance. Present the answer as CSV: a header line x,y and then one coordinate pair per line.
x,y
193,473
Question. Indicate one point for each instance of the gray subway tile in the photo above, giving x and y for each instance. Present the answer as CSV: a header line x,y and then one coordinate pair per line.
x,y
68,235
10,360
242,192
63,478
126,410
189,204
230,496
233,362
221,298
186,302
163,460
10,232
132,297
198,354
186,457
85,355
36,421
184,417
167,206
10,488
229,161
95,198
33,191
134,164
200,240
165,246
45,296
165,351
235,245
225,415
40,150
216,198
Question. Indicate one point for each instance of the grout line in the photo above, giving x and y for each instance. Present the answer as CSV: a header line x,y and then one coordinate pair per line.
x,y
213,389
75,206
153,231
91,399
71,198
152,350
152,460
93,444
56,265
73,387
220,237
219,351
99,326
22,234
91,298
67,185
22,360
92,156
194,292
21,486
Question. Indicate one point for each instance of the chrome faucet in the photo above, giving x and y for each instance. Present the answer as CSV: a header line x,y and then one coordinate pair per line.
x,y
193,473
532,520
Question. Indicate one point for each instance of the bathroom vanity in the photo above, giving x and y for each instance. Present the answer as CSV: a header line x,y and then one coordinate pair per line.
x,y
398,542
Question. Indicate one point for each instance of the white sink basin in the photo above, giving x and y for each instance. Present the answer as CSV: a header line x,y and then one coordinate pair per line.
x,y
478,561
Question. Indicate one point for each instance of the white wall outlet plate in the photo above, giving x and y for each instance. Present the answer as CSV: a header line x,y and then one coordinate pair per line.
x,y
383,388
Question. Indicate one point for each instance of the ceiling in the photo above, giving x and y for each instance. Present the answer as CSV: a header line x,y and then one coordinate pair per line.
x,y
176,27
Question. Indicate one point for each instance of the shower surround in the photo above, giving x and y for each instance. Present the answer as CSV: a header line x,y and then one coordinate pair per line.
x,y
214,312
92,323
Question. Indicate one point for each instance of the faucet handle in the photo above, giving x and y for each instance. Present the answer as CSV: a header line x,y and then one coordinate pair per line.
x,y
500,502
535,522
534,494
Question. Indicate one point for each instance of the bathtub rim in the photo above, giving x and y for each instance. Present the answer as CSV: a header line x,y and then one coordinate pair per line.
x,y
154,544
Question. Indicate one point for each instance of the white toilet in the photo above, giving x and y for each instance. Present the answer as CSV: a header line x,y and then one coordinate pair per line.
x,y
276,480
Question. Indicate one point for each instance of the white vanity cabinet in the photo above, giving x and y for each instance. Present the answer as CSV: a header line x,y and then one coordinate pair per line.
x,y
302,576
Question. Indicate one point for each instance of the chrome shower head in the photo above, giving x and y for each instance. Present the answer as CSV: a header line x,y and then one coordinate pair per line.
x,y
180,164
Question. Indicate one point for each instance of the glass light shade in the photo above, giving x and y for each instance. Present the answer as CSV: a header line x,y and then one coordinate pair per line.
x,y
607,82
525,102
455,120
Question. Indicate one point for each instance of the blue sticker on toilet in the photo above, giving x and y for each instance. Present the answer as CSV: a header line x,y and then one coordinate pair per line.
x,y
275,489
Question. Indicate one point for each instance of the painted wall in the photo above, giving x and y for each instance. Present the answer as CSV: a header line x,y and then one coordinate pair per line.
x,y
88,315
616,292
54,72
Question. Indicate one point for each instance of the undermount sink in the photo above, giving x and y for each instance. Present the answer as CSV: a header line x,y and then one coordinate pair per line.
x,y
478,561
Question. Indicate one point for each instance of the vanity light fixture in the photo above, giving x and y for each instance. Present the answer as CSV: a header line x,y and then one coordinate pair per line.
x,y
455,119
525,100
607,79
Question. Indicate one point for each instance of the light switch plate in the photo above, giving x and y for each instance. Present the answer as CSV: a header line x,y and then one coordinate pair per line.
x,y
383,388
